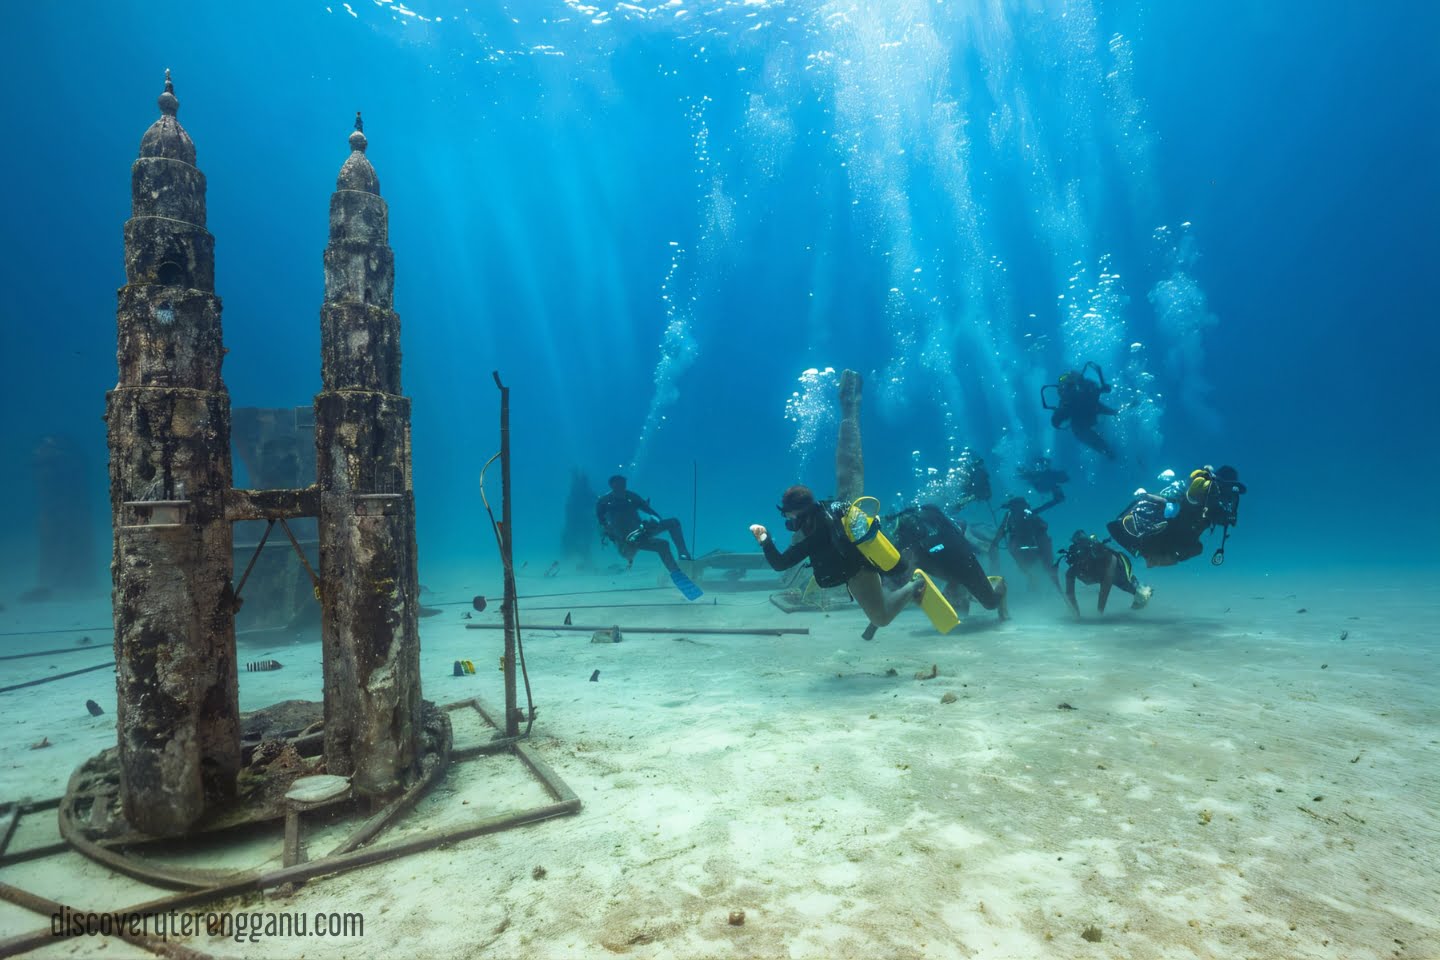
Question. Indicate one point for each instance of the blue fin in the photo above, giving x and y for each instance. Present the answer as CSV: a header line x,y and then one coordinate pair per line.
x,y
686,585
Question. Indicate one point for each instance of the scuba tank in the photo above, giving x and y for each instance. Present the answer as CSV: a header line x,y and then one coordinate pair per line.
x,y
864,532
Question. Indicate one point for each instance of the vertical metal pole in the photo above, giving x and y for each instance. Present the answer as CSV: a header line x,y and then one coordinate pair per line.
x,y
512,718
694,509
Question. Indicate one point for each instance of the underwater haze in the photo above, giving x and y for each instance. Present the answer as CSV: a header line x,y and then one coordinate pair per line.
x,y
670,226
653,218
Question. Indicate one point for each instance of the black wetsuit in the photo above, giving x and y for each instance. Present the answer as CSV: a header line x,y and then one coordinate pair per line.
x,y
1089,559
1079,404
1176,540
1046,479
833,558
1027,536
933,542
619,516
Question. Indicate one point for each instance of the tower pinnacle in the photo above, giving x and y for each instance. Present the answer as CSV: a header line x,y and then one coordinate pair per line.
x,y
166,138
357,173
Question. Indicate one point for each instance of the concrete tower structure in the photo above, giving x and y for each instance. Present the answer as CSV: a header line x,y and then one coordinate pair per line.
x,y
370,593
169,437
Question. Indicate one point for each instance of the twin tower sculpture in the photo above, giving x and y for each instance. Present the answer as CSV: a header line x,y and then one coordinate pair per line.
x,y
173,500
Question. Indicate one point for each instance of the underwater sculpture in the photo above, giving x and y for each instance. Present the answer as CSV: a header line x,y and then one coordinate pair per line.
x,y
179,751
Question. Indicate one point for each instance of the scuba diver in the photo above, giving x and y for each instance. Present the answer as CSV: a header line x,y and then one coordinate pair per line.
x,y
975,484
1077,400
1091,562
835,557
926,534
1151,513
1028,538
1166,529
1045,479
618,513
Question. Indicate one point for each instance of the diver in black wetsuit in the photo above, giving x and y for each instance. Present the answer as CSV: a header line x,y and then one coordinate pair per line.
x,y
927,538
834,559
1092,562
618,513
1210,498
1045,479
1078,402
1028,538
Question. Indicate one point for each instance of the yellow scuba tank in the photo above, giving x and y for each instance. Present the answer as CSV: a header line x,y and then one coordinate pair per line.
x,y
863,529
1199,486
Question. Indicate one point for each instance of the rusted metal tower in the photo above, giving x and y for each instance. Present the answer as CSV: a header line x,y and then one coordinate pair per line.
x,y
370,588
169,436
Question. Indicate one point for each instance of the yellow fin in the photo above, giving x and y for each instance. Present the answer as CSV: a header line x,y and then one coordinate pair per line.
x,y
936,607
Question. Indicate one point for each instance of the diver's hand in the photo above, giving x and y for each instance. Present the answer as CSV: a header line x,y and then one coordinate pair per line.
x,y
759,532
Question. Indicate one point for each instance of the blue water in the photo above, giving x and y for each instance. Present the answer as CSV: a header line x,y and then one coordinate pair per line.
x,y
652,225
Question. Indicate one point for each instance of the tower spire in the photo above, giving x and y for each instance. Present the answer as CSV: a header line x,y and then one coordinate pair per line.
x,y
356,173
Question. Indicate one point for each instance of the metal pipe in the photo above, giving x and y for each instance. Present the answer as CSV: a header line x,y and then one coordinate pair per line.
x,y
512,723
51,908
738,631
107,628
46,653
58,676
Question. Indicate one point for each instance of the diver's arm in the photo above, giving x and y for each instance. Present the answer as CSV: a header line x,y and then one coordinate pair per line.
x,y
777,560
993,551
642,505
1106,582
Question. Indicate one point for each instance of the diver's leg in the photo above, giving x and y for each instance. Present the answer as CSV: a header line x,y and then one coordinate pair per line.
x,y
1088,436
1047,551
966,569
671,526
1124,577
1142,592
879,604
1107,580
660,547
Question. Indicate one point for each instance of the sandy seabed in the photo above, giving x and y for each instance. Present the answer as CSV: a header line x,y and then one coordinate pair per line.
x,y
1249,770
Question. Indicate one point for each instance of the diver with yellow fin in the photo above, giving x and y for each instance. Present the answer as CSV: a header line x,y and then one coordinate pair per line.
x,y
845,545
926,535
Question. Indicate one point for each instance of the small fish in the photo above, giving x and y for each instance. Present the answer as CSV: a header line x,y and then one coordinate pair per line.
x,y
84,642
479,604
568,622
258,665
594,677
553,569
94,708
44,742
1064,706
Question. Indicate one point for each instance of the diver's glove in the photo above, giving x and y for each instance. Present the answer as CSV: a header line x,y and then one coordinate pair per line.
x,y
759,532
